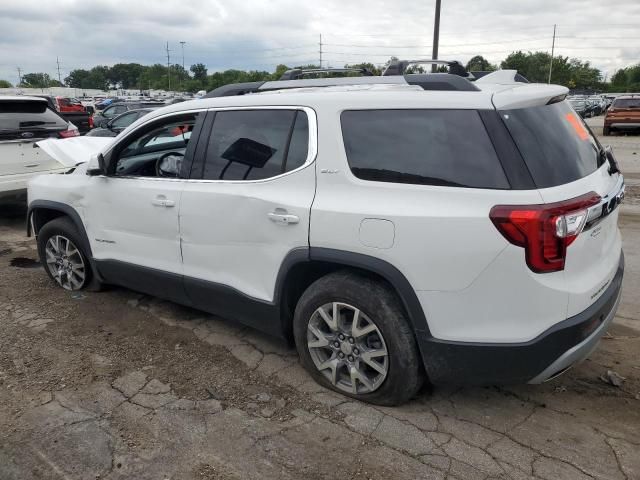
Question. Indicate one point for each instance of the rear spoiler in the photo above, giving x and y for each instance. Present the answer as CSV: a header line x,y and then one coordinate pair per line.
x,y
502,77
523,95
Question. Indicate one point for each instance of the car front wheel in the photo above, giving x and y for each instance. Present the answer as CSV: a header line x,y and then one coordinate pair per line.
x,y
353,337
61,254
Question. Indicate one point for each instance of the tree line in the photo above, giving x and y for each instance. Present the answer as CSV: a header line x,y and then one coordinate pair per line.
x,y
570,72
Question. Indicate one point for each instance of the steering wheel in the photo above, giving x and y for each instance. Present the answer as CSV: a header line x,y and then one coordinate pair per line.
x,y
162,157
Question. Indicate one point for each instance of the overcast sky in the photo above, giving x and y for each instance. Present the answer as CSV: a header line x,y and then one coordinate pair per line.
x,y
255,34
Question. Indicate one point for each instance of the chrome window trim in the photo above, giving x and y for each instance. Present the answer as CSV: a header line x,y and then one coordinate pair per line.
x,y
312,149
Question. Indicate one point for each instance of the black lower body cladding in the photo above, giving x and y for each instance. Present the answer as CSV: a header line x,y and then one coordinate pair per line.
x,y
466,363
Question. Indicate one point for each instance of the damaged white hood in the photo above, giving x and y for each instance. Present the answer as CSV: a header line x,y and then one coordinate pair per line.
x,y
71,152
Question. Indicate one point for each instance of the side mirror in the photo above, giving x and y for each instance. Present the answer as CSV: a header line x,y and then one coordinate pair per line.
x,y
104,124
96,166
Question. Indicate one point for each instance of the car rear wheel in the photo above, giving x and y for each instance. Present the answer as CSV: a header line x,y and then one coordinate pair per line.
x,y
62,255
353,337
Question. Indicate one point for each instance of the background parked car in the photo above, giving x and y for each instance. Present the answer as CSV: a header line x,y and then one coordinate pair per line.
x,y
116,108
623,114
23,122
579,105
78,116
113,127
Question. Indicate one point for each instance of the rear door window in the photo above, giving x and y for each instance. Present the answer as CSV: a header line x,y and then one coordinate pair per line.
x,y
555,143
425,147
256,144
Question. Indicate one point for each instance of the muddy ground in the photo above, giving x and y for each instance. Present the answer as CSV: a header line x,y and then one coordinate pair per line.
x,y
116,385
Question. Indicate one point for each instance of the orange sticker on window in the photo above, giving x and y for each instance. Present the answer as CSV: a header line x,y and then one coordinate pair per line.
x,y
577,126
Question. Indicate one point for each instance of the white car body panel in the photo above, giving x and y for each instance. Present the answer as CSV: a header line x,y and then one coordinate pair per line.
x,y
126,222
228,237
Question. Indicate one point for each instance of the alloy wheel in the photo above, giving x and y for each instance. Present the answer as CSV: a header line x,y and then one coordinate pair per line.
x,y
65,262
347,347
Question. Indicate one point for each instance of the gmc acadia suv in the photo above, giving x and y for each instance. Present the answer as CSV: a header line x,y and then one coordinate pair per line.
x,y
398,229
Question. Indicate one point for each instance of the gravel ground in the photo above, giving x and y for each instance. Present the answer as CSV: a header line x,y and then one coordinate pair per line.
x,y
117,385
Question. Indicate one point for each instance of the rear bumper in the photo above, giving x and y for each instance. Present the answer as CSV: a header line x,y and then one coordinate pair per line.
x,y
534,361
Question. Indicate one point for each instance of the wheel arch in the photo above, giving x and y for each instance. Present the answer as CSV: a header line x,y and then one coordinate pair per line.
x,y
304,266
40,212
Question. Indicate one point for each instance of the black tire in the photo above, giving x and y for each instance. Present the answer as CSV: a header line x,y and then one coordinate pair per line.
x,y
606,131
65,227
380,304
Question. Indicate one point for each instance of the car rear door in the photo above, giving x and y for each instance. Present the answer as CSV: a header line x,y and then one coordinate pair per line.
x,y
247,203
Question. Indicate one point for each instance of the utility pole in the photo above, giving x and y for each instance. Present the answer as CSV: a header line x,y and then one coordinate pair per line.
x,y
182,45
58,62
320,51
436,37
19,75
168,69
553,46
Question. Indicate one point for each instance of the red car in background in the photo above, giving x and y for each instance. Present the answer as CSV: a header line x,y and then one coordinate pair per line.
x,y
69,105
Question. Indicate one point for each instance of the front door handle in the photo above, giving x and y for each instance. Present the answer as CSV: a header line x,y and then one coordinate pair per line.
x,y
162,201
281,217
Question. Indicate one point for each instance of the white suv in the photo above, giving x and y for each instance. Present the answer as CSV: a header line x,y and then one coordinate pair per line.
x,y
397,228
23,122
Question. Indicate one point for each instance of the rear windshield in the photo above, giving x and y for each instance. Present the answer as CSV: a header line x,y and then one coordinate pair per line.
x,y
426,147
25,115
627,103
555,143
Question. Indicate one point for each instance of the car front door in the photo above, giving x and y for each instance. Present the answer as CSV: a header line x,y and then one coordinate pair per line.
x,y
246,206
132,213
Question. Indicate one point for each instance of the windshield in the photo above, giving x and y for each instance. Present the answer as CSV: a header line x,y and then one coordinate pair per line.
x,y
556,144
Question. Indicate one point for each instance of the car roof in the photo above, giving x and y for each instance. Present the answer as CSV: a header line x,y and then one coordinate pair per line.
x,y
383,94
14,98
628,97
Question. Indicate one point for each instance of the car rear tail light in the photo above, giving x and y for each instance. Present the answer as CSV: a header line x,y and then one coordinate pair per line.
x,y
69,133
90,121
544,231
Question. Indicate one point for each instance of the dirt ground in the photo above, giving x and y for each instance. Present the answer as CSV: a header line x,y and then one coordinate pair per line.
x,y
117,385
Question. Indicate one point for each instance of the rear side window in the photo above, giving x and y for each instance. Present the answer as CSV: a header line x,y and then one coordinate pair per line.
x,y
20,115
555,143
425,147
256,144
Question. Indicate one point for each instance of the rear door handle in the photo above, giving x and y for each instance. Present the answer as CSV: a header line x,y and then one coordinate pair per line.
x,y
162,201
282,217
32,165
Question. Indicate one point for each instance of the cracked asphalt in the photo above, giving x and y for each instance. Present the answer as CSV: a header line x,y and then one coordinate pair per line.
x,y
117,385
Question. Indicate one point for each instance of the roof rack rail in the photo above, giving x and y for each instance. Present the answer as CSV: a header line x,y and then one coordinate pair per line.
x,y
399,67
298,73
